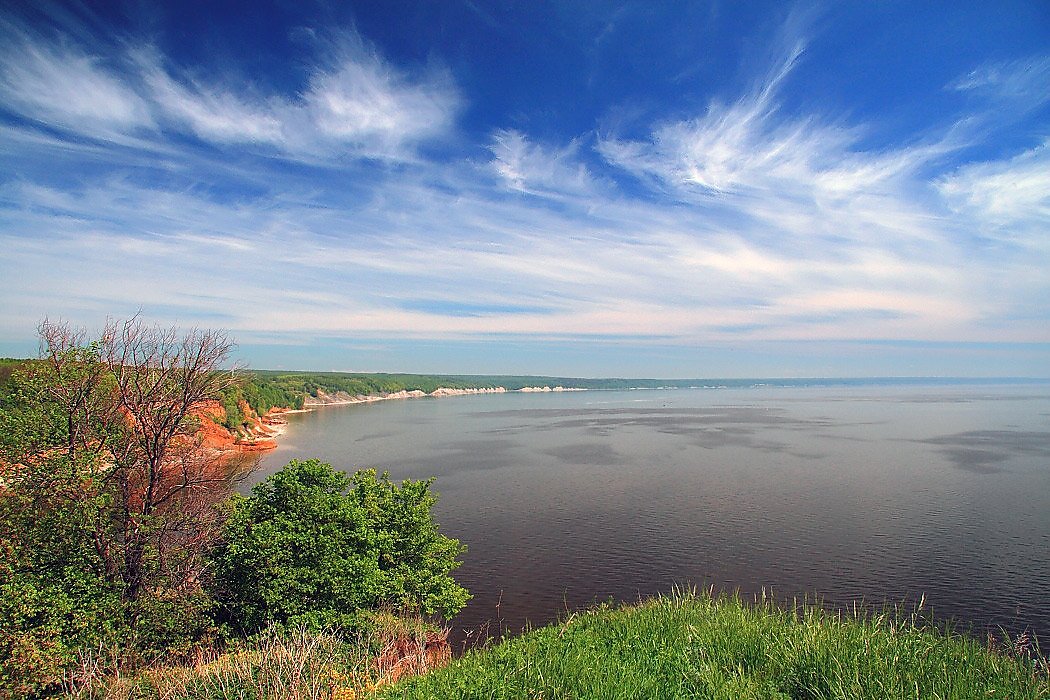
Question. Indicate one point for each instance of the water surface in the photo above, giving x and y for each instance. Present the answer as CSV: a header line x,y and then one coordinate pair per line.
x,y
878,493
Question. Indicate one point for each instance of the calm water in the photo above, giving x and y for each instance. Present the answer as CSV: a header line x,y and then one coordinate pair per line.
x,y
875,493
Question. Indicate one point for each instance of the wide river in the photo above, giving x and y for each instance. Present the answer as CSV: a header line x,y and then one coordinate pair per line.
x,y
878,493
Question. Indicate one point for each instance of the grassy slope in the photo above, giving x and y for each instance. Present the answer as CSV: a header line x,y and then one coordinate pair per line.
x,y
692,646
683,646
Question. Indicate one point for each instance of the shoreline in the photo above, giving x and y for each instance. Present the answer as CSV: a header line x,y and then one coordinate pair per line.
x,y
324,399
271,425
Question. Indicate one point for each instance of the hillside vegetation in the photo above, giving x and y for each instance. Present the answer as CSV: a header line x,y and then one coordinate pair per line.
x,y
123,548
687,645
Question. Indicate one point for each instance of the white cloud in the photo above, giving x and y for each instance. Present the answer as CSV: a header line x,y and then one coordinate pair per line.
x,y
211,113
533,169
366,104
355,104
59,84
777,227
747,148
1011,195
1026,80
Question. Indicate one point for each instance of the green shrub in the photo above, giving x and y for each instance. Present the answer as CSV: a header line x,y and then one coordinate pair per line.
x,y
313,546
54,596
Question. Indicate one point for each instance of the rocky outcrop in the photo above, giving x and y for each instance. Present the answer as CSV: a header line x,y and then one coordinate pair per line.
x,y
260,432
323,398
258,435
547,389
446,391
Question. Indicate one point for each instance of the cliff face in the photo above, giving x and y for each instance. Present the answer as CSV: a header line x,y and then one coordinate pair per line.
x,y
324,398
258,435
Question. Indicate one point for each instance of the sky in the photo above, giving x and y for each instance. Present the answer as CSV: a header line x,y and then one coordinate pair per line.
x,y
641,189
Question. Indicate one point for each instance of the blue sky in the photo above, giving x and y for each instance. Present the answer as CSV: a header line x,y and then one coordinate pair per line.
x,y
676,189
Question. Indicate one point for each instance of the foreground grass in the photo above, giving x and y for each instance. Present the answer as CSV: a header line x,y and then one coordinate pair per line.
x,y
294,664
699,646
298,665
689,645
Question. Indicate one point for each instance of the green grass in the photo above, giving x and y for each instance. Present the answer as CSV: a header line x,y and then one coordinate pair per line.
x,y
688,645
697,646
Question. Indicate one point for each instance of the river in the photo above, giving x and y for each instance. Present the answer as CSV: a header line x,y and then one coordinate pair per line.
x,y
880,492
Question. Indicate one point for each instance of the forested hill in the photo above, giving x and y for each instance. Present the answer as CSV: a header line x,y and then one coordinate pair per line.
x,y
296,383
267,388
262,390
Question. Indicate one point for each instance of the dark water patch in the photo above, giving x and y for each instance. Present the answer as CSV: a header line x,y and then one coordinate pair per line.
x,y
976,461
961,396
666,420
593,453
984,451
376,436
460,456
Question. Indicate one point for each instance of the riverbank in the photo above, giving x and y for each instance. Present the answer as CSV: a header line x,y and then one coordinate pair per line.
x,y
259,433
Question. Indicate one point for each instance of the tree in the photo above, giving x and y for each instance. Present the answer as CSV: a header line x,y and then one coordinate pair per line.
x,y
316,546
167,486
108,504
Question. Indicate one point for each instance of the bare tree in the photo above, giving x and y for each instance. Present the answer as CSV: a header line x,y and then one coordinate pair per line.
x,y
129,403
75,381
109,503
168,486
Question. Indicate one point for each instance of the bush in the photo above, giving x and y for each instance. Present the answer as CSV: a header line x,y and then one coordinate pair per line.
x,y
54,597
317,547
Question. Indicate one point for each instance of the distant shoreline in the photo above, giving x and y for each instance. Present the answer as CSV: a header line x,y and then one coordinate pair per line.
x,y
341,398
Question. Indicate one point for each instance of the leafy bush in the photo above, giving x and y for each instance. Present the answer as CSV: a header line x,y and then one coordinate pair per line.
x,y
314,546
54,596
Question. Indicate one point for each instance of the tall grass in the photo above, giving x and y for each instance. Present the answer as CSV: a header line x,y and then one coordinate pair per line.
x,y
297,664
687,645
699,645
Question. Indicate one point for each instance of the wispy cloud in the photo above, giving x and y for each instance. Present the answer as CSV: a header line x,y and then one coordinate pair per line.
x,y
1008,193
1024,80
533,169
745,221
361,101
55,82
213,114
354,104
745,147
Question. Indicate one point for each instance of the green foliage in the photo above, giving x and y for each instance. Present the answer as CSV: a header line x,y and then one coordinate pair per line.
x,y
28,423
315,546
55,599
8,366
697,646
261,394
356,384
99,549
231,404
